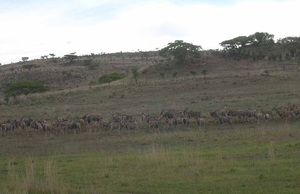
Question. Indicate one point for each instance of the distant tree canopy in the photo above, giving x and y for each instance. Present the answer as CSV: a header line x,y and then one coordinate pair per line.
x,y
25,59
180,50
71,57
292,44
261,45
242,41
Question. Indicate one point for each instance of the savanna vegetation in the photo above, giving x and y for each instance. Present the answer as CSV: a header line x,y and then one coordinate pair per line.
x,y
250,156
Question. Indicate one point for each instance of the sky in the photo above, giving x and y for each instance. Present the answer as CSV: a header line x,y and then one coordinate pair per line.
x,y
33,28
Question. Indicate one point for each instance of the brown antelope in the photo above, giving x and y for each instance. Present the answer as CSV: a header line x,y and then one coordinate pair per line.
x,y
115,125
104,124
8,126
131,125
37,126
200,121
284,114
171,122
62,127
47,127
153,124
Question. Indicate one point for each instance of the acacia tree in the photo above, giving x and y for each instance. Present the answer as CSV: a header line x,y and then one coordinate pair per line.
x,y
180,50
237,43
24,59
71,57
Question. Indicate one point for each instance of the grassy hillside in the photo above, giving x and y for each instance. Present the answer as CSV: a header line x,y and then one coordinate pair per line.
x,y
250,157
230,83
60,73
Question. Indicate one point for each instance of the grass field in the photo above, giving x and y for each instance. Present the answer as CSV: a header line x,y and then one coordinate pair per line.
x,y
247,158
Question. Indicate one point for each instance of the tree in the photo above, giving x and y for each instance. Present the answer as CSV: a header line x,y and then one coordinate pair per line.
x,y
291,44
25,59
135,73
237,43
180,51
44,57
52,55
262,37
71,57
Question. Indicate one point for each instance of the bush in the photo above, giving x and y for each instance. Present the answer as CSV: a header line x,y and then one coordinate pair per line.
x,y
24,87
107,78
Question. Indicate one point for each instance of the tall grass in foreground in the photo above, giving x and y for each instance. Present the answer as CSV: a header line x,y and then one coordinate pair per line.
x,y
29,182
260,159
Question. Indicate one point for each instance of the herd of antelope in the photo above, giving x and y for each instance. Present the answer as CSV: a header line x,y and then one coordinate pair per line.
x,y
169,119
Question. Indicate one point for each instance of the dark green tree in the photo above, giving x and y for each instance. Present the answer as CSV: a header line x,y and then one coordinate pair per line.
x,y
180,51
292,44
237,43
262,37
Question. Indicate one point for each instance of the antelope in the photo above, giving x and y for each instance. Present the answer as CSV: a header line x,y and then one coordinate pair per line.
x,y
285,113
115,125
91,118
200,121
225,119
124,117
131,125
36,125
153,124
104,124
193,114
143,116
171,122
236,113
62,126
9,126
216,114
46,126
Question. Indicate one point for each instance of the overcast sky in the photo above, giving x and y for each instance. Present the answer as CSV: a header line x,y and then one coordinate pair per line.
x,y
32,28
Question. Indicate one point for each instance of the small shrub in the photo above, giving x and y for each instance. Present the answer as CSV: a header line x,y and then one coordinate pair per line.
x,y
24,87
107,78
